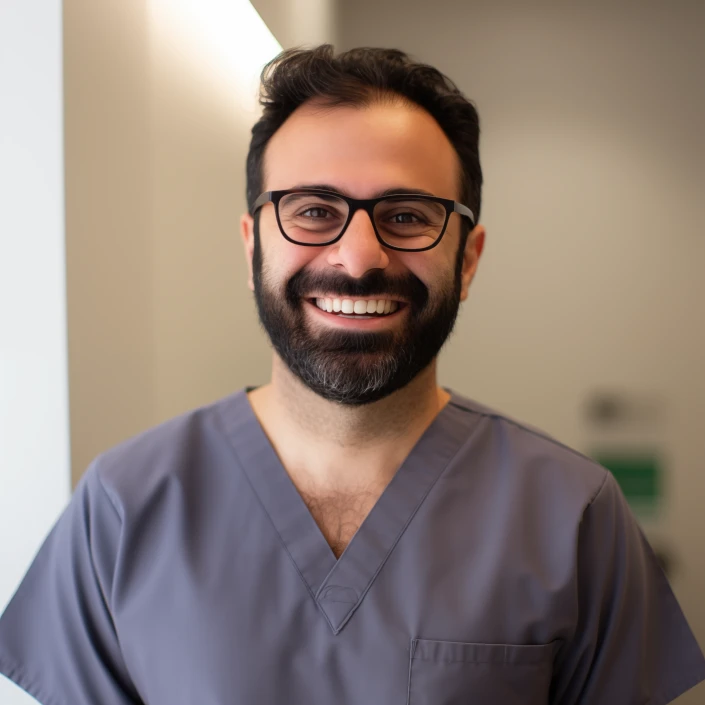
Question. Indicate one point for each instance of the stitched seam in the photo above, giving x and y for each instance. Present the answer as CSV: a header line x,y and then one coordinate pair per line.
x,y
31,686
409,520
599,489
412,648
108,494
521,426
236,456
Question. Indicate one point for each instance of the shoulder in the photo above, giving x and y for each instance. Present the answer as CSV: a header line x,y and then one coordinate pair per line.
x,y
528,458
170,454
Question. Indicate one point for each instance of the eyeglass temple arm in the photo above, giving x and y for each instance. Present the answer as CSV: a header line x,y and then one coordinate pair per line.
x,y
464,210
261,200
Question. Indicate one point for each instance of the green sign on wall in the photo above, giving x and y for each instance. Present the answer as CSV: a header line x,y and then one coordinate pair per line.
x,y
640,476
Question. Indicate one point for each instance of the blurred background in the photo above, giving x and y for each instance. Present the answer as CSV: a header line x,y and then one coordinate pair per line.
x,y
123,299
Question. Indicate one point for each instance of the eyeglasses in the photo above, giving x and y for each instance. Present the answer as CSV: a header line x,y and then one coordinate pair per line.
x,y
407,222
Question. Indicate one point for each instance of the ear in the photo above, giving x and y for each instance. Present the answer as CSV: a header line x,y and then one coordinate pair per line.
x,y
473,250
247,230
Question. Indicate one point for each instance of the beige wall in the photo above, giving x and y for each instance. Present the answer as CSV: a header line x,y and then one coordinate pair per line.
x,y
109,252
301,22
594,155
160,318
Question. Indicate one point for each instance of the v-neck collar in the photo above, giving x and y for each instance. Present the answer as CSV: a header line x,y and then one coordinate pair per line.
x,y
339,586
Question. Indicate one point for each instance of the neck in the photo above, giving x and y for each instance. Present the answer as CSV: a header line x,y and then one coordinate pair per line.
x,y
326,444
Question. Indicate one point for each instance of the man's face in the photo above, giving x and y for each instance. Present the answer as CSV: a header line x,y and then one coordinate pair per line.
x,y
355,358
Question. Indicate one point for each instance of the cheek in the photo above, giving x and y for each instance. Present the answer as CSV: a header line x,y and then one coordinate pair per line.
x,y
281,260
432,268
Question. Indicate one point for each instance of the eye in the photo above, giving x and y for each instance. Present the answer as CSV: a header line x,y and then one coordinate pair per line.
x,y
321,213
407,219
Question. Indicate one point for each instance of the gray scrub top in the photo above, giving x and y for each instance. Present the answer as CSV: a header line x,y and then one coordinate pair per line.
x,y
497,568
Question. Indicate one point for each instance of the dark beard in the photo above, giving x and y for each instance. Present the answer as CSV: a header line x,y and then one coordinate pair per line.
x,y
356,367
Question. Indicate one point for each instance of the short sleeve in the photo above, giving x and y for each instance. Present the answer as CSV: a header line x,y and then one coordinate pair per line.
x,y
632,645
57,637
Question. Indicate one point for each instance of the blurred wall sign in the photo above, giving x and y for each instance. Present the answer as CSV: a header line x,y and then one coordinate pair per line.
x,y
625,433
639,474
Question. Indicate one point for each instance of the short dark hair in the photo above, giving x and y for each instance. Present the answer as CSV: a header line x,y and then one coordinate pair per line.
x,y
360,77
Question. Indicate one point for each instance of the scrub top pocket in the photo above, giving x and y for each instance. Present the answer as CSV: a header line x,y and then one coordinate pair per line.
x,y
459,673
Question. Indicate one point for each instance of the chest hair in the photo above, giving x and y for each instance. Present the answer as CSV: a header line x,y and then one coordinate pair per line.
x,y
340,514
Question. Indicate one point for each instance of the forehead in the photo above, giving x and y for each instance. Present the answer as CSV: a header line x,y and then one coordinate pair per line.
x,y
362,150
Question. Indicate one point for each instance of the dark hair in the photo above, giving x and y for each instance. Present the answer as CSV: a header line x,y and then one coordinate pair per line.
x,y
360,77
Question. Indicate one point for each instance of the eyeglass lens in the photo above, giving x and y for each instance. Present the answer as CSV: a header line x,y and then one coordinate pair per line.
x,y
408,223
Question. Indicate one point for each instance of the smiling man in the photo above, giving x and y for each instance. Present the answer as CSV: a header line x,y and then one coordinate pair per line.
x,y
359,261
351,533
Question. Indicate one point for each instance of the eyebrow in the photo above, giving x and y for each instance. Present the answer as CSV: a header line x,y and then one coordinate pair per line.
x,y
401,190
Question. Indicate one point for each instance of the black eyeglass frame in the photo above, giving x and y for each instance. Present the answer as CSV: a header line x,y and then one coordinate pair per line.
x,y
368,205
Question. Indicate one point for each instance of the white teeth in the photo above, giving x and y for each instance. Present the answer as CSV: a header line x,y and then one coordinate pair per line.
x,y
359,307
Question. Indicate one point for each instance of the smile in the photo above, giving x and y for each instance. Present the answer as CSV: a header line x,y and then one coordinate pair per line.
x,y
357,307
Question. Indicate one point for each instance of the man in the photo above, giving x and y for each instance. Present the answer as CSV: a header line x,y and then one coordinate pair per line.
x,y
350,533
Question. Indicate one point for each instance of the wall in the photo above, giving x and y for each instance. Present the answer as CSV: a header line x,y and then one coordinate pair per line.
x,y
301,22
158,107
34,433
109,248
593,154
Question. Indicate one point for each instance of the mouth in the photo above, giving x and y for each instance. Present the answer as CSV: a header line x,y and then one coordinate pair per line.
x,y
358,308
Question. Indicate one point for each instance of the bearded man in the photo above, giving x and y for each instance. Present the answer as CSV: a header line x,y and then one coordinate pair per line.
x,y
351,533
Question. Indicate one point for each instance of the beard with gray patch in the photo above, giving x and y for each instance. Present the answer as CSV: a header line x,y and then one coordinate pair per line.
x,y
355,367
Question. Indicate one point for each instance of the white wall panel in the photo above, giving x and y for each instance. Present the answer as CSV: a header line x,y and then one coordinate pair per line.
x,y
34,424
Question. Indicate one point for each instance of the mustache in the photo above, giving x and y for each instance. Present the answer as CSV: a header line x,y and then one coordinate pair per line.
x,y
407,287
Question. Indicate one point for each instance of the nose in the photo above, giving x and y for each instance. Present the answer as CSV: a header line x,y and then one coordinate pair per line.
x,y
359,250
